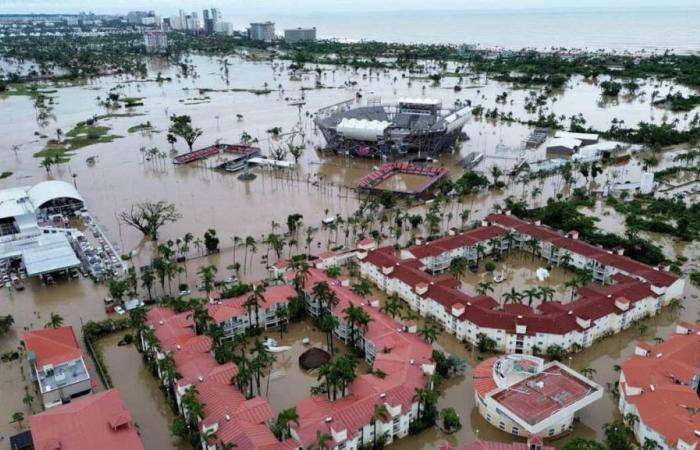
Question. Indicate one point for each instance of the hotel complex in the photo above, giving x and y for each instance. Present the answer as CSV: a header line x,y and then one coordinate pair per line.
x,y
659,385
627,290
394,351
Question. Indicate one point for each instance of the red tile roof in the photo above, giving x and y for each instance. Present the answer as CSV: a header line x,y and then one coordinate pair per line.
x,y
594,301
447,243
669,368
98,421
52,345
490,445
623,263
402,367
241,421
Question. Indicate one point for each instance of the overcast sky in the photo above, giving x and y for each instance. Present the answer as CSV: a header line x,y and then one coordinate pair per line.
x,y
232,8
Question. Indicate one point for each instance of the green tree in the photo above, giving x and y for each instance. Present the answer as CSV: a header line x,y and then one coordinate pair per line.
x,y
181,126
6,323
450,419
458,267
18,418
55,321
208,274
393,305
148,217
429,332
379,414
583,444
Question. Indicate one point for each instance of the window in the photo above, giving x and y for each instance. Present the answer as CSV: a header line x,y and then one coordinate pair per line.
x,y
515,430
502,426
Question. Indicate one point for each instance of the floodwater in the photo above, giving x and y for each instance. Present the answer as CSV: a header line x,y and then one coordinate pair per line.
x,y
519,269
403,182
122,175
141,393
289,383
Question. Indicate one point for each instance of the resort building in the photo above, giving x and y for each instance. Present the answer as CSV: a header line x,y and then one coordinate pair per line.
x,y
226,413
533,443
27,239
659,385
553,246
99,421
394,351
55,362
627,290
235,315
297,35
522,395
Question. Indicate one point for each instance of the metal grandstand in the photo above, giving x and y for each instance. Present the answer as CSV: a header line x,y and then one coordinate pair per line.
x,y
391,129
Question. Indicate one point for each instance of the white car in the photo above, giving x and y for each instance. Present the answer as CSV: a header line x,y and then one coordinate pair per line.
x,y
128,306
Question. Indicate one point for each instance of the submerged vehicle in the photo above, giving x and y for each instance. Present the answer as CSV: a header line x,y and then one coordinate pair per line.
x,y
391,129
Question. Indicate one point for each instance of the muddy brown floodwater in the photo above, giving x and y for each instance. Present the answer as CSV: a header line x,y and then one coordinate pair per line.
x,y
403,182
141,393
122,175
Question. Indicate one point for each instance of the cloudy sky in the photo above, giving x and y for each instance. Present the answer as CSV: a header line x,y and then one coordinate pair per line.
x,y
231,8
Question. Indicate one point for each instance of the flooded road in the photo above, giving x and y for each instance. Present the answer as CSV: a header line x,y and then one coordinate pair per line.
x,y
122,174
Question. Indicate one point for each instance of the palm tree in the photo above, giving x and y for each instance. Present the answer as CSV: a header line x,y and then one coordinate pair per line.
x,y
565,260
429,332
547,292
208,274
588,372
534,245
392,306
28,400
484,288
480,251
458,267
572,284
328,323
248,243
363,288
512,296
282,316
531,294
236,242
322,440
18,418
257,295
380,413
147,280
55,321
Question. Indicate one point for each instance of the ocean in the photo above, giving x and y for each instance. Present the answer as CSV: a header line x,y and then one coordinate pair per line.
x,y
609,29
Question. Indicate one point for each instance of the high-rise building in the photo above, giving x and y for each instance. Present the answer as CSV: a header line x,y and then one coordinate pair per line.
x,y
262,31
155,40
300,35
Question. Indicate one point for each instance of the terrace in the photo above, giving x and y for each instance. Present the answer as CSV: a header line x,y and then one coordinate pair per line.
x,y
538,397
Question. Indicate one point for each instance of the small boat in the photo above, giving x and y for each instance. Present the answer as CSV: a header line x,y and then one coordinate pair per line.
x,y
498,277
272,347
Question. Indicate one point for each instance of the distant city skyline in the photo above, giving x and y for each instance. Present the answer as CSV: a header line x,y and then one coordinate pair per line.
x,y
282,7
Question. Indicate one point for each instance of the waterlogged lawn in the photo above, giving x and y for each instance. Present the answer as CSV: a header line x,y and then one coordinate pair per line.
x,y
82,135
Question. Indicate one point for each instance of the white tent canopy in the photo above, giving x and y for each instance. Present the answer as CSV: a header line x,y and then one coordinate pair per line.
x,y
51,190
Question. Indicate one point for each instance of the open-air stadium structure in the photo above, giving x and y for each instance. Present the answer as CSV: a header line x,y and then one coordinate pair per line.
x,y
391,129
